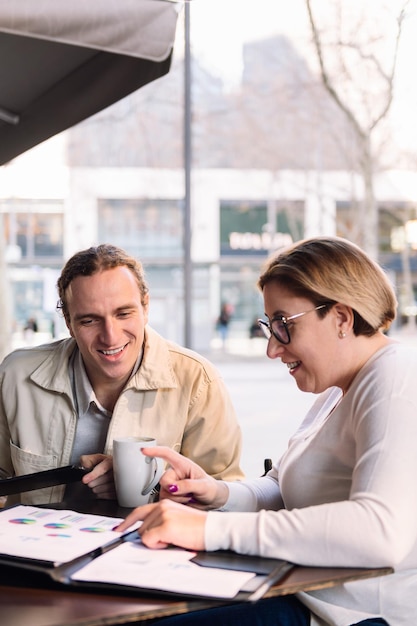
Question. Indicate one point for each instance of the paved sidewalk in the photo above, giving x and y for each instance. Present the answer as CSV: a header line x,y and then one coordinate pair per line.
x,y
268,403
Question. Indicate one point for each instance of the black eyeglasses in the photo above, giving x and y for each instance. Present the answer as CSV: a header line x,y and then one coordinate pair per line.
x,y
278,326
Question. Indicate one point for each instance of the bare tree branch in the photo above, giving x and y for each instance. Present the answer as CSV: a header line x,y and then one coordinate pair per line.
x,y
326,77
390,77
381,73
364,105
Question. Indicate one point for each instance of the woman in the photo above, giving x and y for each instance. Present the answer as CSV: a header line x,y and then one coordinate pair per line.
x,y
343,494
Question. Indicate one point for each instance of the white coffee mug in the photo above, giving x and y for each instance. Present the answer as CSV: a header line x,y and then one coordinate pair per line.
x,y
135,475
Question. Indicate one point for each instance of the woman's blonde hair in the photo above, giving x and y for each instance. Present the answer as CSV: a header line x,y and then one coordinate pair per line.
x,y
327,270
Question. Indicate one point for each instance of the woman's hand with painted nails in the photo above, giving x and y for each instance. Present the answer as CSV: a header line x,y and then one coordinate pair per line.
x,y
168,523
186,482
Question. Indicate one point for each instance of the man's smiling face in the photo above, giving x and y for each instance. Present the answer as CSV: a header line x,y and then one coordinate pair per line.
x,y
107,319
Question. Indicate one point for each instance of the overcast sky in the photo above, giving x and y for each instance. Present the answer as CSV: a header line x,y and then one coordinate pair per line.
x,y
220,27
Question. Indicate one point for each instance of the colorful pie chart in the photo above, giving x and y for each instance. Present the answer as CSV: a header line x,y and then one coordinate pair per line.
x,y
58,525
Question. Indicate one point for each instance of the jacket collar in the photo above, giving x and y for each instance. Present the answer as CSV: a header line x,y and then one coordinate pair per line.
x,y
52,373
155,372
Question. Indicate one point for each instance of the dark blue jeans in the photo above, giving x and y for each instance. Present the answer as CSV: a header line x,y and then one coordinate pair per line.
x,y
279,611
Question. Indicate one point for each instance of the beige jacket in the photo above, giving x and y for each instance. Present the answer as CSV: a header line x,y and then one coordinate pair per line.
x,y
176,396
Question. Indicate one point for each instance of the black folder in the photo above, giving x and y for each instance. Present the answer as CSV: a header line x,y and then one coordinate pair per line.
x,y
38,570
40,480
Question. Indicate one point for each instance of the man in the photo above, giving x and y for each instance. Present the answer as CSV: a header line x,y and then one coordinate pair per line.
x,y
114,377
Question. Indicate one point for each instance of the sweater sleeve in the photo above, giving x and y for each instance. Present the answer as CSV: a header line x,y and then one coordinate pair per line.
x,y
262,493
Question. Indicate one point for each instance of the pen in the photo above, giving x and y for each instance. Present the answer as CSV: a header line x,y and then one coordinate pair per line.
x,y
277,573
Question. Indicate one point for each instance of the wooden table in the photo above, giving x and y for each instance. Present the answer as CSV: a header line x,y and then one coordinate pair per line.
x,y
24,603
31,599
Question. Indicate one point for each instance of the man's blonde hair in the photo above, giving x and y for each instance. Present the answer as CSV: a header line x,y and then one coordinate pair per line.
x,y
93,260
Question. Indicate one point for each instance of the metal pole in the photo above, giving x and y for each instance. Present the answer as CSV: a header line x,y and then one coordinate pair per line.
x,y
187,177
5,302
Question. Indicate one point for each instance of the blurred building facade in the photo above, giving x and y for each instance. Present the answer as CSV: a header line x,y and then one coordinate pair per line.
x,y
272,162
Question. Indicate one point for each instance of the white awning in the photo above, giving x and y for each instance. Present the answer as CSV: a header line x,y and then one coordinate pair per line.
x,y
63,61
140,28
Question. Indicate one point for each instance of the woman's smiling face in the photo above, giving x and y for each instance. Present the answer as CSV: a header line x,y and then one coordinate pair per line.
x,y
313,354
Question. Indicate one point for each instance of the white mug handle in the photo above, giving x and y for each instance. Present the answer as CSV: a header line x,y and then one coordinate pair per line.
x,y
158,471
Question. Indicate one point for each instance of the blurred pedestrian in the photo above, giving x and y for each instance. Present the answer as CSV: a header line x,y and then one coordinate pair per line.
x,y
223,321
31,327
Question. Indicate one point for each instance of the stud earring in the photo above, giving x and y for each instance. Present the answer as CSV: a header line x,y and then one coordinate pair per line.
x,y
342,335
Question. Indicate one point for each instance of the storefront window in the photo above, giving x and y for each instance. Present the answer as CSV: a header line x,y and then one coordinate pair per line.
x,y
32,228
249,232
144,228
254,228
